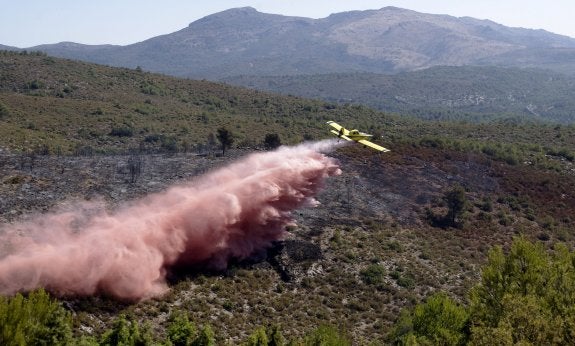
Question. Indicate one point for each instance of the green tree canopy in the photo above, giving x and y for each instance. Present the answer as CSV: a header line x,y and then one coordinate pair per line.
x,y
34,320
181,332
126,332
456,204
226,139
526,297
438,321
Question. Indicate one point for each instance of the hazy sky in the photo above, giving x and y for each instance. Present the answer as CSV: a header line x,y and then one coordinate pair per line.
x,y
28,23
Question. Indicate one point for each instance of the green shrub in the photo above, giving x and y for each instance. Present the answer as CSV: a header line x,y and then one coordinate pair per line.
x,y
326,336
153,138
525,297
180,331
34,320
486,205
406,281
373,274
150,88
128,332
438,321
563,152
205,338
258,338
35,85
4,111
169,144
275,336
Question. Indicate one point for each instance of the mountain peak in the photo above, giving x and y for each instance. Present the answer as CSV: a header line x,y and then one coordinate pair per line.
x,y
248,10
245,41
234,12
393,8
233,15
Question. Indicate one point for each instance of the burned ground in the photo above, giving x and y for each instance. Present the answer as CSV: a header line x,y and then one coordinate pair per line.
x,y
372,214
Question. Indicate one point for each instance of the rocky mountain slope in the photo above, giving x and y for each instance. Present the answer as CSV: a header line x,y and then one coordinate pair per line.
x,y
244,41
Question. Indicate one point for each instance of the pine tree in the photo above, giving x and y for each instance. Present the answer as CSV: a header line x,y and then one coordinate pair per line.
x,y
456,204
181,332
226,139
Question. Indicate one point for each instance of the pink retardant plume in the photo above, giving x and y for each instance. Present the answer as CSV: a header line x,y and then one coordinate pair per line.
x,y
229,213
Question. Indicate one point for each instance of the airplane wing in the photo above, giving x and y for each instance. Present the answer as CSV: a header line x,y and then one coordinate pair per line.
x,y
339,131
334,125
341,136
373,145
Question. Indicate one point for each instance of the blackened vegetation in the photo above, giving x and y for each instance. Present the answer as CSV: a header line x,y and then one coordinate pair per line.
x,y
286,257
272,141
365,252
135,167
299,251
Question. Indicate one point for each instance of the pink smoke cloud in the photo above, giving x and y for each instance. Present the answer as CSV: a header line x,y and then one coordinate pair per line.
x,y
229,213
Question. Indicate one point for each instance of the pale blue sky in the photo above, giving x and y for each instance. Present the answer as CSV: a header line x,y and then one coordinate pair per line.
x,y
28,23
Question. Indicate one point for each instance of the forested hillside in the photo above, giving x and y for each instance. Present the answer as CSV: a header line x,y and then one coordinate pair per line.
x,y
64,104
476,94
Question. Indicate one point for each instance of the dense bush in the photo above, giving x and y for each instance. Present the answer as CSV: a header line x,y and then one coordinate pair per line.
x,y
126,332
123,131
563,152
438,321
34,320
456,203
325,336
373,274
226,138
272,141
524,297
35,85
181,331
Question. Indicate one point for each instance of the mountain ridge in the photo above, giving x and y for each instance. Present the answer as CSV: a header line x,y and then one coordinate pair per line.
x,y
244,41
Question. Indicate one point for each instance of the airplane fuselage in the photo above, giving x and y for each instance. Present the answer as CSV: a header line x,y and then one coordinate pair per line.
x,y
354,135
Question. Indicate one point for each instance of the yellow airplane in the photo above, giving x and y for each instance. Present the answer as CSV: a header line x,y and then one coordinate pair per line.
x,y
354,135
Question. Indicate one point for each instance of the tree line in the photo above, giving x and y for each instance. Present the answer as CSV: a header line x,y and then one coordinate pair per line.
x,y
525,296
38,319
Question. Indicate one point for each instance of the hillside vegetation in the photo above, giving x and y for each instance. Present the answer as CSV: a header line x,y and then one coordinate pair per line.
x,y
391,231
525,296
476,94
65,104
62,105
